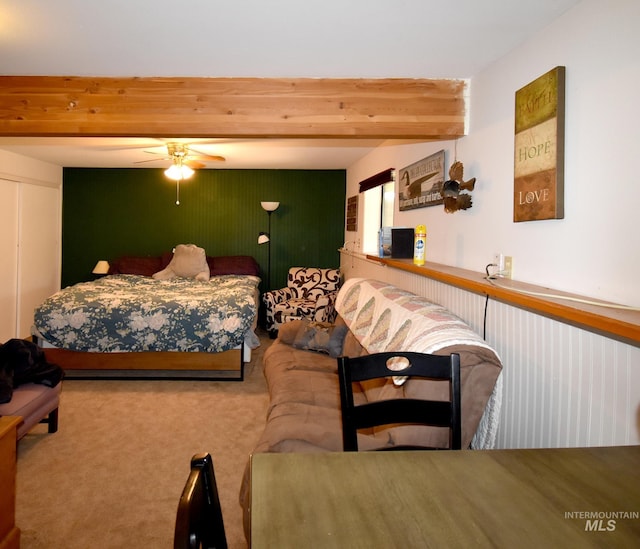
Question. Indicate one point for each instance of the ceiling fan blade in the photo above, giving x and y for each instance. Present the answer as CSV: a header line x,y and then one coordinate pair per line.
x,y
162,151
204,156
194,164
152,160
207,158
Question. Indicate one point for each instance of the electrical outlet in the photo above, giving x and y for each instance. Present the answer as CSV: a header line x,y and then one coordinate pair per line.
x,y
504,265
507,270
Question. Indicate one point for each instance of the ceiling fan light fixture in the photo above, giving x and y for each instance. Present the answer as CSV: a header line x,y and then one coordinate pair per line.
x,y
178,172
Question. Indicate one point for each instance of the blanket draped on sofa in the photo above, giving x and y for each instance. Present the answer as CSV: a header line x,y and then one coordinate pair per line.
x,y
383,317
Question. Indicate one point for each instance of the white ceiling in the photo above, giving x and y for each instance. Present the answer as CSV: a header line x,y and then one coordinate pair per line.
x,y
253,38
114,152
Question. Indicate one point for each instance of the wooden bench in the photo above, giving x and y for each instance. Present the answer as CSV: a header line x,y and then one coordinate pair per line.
x,y
34,403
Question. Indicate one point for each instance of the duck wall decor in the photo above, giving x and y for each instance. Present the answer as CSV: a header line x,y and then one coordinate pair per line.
x,y
454,198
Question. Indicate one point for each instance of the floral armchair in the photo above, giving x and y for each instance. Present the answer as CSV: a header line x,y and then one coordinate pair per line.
x,y
310,293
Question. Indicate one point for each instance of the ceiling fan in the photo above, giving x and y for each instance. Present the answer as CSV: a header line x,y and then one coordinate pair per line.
x,y
184,161
182,154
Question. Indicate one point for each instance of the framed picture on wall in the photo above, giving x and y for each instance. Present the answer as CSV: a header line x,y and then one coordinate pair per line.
x,y
538,185
420,184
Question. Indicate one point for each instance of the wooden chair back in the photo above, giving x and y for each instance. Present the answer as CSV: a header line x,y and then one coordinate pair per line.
x,y
199,521
402,410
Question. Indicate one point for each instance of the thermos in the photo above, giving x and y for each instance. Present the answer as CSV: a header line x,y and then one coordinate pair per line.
x,y
419,248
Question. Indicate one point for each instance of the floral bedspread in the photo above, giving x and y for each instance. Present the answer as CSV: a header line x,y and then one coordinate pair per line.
x,y
121,313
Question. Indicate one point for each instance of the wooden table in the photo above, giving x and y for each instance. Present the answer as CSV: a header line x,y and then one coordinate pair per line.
x,y
494,498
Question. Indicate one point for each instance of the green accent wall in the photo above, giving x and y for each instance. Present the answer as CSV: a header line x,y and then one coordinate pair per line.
x,y
108,213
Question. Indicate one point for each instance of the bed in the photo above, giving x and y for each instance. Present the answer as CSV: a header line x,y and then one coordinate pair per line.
x,y
130,325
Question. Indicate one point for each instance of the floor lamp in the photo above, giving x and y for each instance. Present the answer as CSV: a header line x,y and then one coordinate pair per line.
x,y
265,238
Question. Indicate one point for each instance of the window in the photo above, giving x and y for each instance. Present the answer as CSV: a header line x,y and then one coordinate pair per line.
x,y
378,198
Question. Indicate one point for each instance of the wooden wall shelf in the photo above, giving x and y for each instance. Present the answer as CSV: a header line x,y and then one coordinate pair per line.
x,y
620,324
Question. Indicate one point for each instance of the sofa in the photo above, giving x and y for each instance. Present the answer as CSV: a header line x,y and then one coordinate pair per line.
x,y
300,367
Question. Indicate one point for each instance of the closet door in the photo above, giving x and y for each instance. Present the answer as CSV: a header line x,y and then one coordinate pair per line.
x,y
9,262
39,250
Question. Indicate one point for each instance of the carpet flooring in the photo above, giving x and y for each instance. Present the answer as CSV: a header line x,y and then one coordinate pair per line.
x,y
112,475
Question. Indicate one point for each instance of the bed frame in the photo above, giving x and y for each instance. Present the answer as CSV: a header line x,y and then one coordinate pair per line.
x,y
227,365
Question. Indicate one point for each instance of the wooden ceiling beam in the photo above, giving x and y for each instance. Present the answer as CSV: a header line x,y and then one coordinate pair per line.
x,y
390,108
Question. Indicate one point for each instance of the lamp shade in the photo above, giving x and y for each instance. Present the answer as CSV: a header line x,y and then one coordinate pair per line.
x,y
270,206
101,268
263,238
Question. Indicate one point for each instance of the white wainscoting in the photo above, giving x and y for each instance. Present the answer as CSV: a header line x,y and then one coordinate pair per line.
x,y
563,386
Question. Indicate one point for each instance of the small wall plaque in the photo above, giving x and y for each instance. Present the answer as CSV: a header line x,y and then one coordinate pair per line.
x,y
352,213
538,186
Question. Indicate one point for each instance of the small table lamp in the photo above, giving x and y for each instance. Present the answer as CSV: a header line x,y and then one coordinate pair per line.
x,y
101,268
